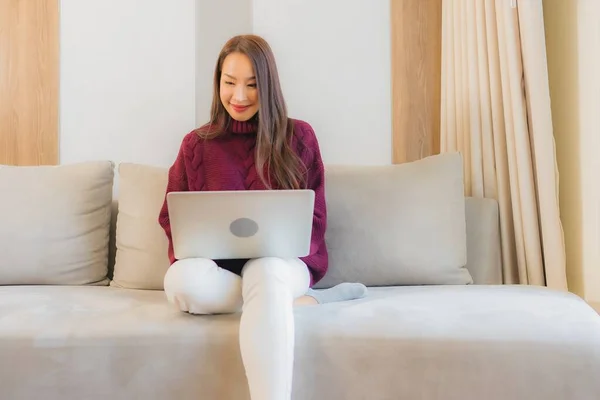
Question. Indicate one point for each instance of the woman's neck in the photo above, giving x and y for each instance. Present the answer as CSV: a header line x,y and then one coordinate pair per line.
x,y
244,127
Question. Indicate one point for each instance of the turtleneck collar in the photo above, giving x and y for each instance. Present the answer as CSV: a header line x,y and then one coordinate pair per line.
x,y
244,127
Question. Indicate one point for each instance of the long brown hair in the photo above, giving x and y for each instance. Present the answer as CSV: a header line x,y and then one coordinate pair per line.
x,y
274,151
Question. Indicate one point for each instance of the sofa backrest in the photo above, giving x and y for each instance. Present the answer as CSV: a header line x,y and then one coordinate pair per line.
x,y
407,224
484,258
483,241
423,200
54,223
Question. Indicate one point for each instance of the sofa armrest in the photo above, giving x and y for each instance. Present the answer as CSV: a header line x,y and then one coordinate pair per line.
x,y
484,257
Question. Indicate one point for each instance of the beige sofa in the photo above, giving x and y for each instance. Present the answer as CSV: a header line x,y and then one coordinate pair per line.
x,y
81,318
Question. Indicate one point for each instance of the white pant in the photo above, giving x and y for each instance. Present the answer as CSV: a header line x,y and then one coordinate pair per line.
x,y
265,294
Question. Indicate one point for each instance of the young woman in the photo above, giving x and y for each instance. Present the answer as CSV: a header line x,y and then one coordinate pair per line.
x,y
251,144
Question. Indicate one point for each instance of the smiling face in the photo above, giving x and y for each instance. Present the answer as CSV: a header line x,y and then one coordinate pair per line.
x,y
246,84
238,90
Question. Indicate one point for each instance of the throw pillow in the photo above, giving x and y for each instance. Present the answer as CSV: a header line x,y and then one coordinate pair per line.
x,y
55,224
141,256
398,224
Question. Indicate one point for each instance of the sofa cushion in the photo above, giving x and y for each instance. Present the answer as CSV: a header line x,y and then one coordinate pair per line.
x,y
141,257
398,224
55,223
419,342
484,254
387,225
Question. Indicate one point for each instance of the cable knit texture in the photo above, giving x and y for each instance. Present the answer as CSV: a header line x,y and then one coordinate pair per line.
x,y
227,163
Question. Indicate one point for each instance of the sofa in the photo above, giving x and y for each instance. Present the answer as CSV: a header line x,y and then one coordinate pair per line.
x,y
83,313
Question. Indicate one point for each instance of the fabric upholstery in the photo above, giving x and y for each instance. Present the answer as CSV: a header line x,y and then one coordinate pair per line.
x,y
397,225
388,225
483,242
55,223
451,342
141,257
484,258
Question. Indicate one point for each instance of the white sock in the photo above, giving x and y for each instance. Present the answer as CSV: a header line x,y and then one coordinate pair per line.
x,y
342,292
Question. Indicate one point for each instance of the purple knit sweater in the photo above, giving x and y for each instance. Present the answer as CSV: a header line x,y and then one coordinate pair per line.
x,y
227,163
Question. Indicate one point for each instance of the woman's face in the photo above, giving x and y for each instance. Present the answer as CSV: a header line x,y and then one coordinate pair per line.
x,y
238,91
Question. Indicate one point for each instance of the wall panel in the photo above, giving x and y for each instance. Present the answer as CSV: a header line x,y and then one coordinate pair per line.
x,y
416,28
29,82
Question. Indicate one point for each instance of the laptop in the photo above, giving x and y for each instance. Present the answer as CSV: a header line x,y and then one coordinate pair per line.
x,y
241,224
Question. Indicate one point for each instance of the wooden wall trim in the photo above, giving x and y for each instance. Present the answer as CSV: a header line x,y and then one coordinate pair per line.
x,y
416,55
29,82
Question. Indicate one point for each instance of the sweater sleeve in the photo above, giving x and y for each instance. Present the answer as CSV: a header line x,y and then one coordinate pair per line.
x,y
177,182
317,260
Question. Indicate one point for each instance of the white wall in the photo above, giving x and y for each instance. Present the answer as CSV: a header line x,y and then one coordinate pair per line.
x,y
334,62
216,22
572,41
127,79
139,73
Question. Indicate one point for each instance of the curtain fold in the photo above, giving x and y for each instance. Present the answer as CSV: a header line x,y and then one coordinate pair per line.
x,y
495,110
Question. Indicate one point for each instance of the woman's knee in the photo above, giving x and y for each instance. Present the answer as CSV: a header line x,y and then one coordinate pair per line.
x,y
271,272
199,286
270,269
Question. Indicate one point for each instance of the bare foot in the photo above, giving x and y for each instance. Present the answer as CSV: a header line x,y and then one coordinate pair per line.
x,y
305,301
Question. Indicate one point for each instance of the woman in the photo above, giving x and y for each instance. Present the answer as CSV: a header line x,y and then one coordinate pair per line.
x,y
251,144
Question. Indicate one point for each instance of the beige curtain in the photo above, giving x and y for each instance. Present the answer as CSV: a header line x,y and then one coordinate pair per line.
x,y
496,111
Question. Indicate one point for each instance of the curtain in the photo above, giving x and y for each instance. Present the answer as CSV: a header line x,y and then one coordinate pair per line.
x,y
495,111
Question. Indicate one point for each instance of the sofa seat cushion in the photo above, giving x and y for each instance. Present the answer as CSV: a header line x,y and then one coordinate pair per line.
x,y
433,342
